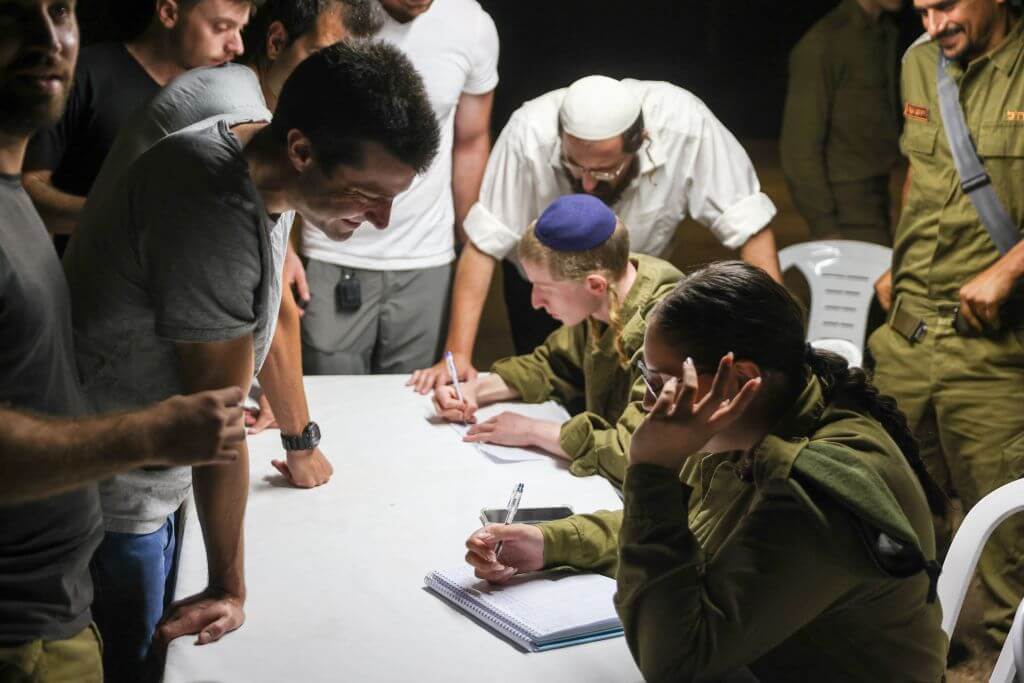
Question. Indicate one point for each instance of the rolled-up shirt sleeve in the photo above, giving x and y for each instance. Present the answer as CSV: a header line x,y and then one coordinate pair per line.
x,y
722,188
508,200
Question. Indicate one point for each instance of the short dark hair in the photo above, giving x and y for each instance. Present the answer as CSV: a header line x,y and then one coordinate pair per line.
x,y
346,95
362,18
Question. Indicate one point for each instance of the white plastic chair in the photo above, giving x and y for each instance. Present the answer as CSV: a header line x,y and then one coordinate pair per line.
x,y
1016,639
841,275
962,559
1010,665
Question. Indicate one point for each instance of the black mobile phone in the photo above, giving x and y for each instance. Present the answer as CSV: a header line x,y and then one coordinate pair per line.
x,y
525,515
347,294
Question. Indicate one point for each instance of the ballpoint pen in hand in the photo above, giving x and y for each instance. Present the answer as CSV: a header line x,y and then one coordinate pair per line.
x,y
449,360
513,508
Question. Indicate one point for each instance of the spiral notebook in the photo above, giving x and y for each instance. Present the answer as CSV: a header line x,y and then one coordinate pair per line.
x,y
538,612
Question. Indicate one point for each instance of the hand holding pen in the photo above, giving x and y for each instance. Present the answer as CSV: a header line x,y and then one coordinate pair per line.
x,y
512,508
521,546
455,402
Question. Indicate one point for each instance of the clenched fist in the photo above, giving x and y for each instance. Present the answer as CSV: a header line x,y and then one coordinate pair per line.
x,y
199,429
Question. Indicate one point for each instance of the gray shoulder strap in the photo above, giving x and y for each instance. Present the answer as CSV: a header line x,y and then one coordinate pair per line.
x,y
974,181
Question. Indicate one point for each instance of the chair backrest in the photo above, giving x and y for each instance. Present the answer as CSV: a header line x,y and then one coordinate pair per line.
x,y
841,275
1016,639
1010,665
965,549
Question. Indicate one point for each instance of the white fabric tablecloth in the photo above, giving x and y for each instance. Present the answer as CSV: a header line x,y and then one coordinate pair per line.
x,y
335,574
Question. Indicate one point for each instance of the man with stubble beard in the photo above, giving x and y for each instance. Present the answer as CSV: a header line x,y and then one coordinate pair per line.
x,y
50,520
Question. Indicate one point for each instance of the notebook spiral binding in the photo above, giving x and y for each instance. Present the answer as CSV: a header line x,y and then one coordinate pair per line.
x,y
457,594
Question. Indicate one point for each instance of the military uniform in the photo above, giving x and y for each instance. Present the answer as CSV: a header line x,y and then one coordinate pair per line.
x,y
790,571
572,367
840,126
962,394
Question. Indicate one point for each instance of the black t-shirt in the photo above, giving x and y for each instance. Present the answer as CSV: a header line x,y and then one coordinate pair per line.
x,y
45,546
109,87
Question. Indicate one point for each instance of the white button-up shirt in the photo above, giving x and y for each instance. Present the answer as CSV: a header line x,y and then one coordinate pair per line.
x,y
690,165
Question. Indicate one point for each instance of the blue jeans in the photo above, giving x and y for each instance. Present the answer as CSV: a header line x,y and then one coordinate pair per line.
x,y
134,581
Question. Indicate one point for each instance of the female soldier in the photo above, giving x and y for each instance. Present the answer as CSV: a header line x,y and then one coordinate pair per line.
x,y
577,257
776,511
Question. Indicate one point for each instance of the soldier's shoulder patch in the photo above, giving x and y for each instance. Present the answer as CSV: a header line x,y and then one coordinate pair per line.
x,y
912,111
1012,115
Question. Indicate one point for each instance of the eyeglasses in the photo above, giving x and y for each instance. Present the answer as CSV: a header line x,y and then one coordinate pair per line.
x,y
601,175
655,381
650,378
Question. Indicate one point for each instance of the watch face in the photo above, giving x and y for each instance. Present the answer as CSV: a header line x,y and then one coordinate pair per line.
x,y
311,434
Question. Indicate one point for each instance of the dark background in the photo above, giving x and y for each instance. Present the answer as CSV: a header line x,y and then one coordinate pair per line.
x,y
730,54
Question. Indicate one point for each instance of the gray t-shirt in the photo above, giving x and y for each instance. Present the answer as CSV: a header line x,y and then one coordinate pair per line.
x,y
45,546
184,252
230,92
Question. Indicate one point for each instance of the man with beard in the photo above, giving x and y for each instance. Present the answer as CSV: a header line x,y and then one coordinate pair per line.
x,y
50,520
650,150
112,80
952,350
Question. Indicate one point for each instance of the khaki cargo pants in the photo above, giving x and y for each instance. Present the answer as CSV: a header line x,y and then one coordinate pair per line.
x,y
964,399
74,660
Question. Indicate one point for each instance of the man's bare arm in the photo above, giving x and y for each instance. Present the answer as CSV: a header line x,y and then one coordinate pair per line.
x,y
45,456
472,280
760,251
221,492
60,210
472,145
281,379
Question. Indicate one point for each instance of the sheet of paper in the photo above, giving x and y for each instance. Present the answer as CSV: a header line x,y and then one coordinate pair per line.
x,y
541,411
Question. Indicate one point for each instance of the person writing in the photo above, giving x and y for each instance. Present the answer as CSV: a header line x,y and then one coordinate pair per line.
x,y
577,258
776,513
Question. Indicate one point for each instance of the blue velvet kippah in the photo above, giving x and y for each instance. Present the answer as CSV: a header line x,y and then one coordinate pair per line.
x,y
575,222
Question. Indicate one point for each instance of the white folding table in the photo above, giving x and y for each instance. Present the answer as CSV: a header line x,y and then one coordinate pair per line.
x,y
335,574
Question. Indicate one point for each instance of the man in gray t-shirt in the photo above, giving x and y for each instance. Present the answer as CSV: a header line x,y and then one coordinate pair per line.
x,y
186,253
237,93
173,289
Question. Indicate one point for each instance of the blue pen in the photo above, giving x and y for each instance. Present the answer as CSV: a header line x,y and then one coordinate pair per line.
x,y
513,508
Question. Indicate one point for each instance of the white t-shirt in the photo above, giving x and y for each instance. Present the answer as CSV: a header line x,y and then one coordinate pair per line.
x,y
691,166
454,46
197,99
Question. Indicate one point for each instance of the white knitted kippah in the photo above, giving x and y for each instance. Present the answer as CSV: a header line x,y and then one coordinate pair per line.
x,y
598,108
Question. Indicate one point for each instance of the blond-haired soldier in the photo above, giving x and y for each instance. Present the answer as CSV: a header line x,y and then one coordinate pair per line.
x,y
577,258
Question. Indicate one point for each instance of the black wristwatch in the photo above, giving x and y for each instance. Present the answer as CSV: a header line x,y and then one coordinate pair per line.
x,y
307,440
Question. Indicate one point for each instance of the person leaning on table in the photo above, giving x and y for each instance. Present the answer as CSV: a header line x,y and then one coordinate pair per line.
x,y
800,545
576,256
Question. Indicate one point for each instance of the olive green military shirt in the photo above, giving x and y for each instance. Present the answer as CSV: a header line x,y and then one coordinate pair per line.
x,y
841,118
940,244
571,365
779,571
